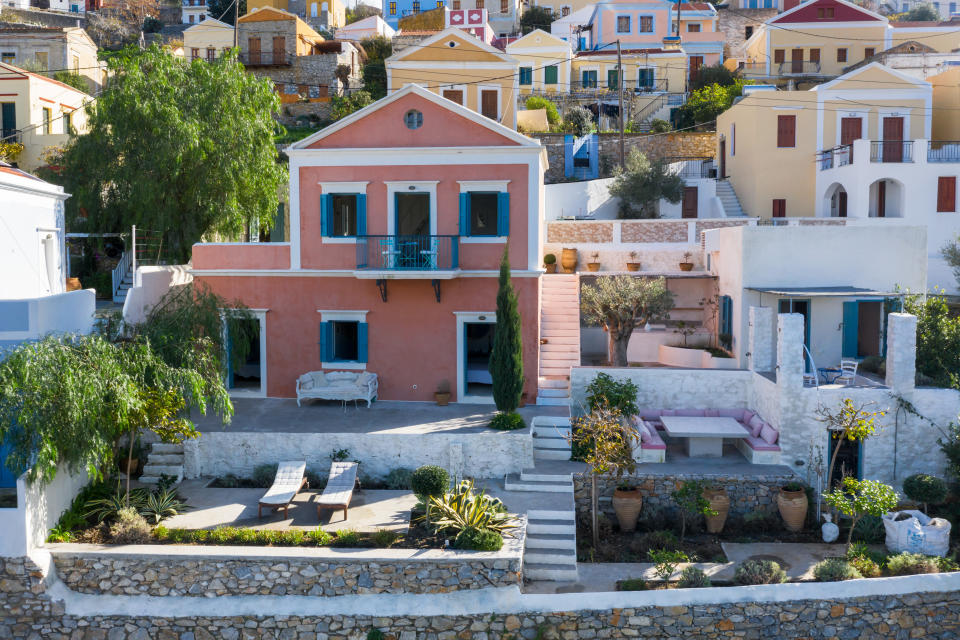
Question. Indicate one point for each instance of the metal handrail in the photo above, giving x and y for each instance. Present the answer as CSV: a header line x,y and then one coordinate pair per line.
x,y
119,273
839,156
943,151
798,68
408,252
891,151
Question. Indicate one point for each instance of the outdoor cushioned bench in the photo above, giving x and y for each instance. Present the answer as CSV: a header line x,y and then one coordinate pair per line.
x,y
339,490
337,385
759,447
286,485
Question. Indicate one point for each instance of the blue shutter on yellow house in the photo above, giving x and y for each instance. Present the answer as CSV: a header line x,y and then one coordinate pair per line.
x,y
851,321
503,214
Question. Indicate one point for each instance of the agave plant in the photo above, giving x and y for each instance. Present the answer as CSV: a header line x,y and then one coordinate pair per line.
x,y
463,508
107,508
162,504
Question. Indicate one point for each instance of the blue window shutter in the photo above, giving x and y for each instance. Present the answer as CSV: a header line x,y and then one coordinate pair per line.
x,y
465,214
326,214
324,342
503,214
851,321
362,332
361,214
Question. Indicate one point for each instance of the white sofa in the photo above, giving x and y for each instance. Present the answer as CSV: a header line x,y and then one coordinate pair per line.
x,y
337,385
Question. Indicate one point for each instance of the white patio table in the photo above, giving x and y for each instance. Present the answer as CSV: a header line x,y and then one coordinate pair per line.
x,y
704,435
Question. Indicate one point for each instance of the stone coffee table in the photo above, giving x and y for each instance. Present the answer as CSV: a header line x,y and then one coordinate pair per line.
x,y
704,435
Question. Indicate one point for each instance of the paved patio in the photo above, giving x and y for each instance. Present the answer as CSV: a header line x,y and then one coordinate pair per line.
x,y
282,415
731,463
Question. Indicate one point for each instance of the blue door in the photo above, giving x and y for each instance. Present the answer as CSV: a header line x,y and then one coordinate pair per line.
x,y
851,322
7,478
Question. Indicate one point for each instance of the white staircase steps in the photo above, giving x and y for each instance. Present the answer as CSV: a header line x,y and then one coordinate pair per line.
x,y
729,200
559,337
164,459
550,433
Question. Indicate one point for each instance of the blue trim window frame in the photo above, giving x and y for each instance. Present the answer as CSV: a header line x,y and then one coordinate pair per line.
x,y
646,21
469,215
333,225
343,339
526,76
620,27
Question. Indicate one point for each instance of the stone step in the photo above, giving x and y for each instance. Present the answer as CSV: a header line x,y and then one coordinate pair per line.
x,y
553,402
553,383
163,447
542,476
550,430
553,392
566,516
513,482
551,333
552,572
551,454
553,370
552,541
160,469
155,479
550,442
537,526
573,341
165,458
551,556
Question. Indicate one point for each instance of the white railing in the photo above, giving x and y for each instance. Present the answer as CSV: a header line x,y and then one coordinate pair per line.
x,y
120,271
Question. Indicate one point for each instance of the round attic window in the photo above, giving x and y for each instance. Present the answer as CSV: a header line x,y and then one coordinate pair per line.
x,y
413,119
452,44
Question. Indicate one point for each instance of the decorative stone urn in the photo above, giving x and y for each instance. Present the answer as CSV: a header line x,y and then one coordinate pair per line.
x,y
719,502
792,503
627,503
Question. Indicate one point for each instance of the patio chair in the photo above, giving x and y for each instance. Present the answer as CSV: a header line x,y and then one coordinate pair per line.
x,y
286,485
848,372
339,489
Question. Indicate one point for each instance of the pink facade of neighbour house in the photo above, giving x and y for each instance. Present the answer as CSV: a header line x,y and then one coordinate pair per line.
x,y
399,215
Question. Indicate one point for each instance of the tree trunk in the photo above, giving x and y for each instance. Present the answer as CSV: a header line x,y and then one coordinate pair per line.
x,y
594,504
617,348
127,469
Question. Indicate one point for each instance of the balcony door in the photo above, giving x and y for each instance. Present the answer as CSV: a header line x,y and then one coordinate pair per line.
x,y
414,247
850,130
893,139
796,61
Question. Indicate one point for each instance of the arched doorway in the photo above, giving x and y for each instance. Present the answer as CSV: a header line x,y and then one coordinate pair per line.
x,y
835,201
886,199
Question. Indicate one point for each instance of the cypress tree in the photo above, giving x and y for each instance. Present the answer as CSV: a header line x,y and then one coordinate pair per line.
x,y
506,359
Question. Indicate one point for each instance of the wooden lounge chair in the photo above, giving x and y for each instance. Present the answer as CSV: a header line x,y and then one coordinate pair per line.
x,y
339,490
286,485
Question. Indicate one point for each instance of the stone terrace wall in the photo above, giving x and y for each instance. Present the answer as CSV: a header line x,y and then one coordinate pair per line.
x,y
219,571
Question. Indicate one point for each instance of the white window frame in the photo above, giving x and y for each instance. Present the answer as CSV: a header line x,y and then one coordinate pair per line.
x,y
864,122
261,316
419,186
346,188
485,87
468,186
345,316
454,87
464,318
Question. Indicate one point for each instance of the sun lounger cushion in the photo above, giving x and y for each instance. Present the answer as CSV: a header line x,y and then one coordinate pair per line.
x,y
286,484
690,413
651,415
668,412
712,413
769,435
643,430
654,442
758,444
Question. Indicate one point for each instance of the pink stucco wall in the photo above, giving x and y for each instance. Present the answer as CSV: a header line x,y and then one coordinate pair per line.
x,y
318,255
412,338
241,256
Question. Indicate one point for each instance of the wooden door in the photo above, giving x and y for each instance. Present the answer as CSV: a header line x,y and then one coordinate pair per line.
x,y
455,95
695,63
253,44
946,194
723,160
689,207
279,49
850,130
796,61
893,139
882,199
489,103
842,204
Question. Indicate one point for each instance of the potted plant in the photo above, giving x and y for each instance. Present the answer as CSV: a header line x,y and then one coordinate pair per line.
x,y
632,264
627,502
686,265
792,503
130,462
719,504
594,264
442,395
568,260
550,263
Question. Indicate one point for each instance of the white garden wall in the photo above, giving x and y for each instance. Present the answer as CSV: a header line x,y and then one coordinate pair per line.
x,y
38,509
150,285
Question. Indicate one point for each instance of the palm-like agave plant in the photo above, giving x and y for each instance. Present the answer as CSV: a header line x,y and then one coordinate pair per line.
x,y
108,507
462,508
162,504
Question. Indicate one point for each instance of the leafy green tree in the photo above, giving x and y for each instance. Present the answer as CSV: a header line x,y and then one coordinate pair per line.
x,y
951,254
183,149
620,303
642,186
921,13
938,340
850,423
361,11
859,498
578,121
75,80
223,10
713,74
539,102
705,104
506,358
374,71
535,17
342,106
689,497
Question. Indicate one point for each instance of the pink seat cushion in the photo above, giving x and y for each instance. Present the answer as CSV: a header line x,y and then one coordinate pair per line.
x,y
758,444
691,413
755,425
769,435
730,413
712,413
746,416
655,441
643,430
649,414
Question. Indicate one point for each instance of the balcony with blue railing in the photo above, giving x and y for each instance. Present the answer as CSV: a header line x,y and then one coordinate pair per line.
x,y
943,151
409,254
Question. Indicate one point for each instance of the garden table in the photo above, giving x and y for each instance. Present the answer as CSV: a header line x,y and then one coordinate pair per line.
x,y
704,435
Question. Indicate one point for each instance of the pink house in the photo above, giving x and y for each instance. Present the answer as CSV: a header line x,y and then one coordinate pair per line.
x,y
398,217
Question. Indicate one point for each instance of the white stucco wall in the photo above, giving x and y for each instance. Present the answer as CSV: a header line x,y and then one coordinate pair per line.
x,y
33,318
38,509
592,197
150,285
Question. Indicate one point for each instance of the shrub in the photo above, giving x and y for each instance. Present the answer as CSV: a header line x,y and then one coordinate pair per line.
x,y
429,480
905,564
658,125
109,507
665,561
474,539
245,536
874,364
537,102
925,489
947,565
689,497
870,530
265,536
223,535
228,481
621,395
463,509
866,566
317,479
859,498
263,475
398,479
347,538
632,584
835,570
162,504
292,538
375,634
759,572
693,578
578,121
507,422
199,536
550,259
179,536
758,522
384,537
656,540
130,527
319,537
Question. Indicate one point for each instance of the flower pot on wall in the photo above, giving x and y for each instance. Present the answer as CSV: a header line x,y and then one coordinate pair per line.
x,y
129,466
593,266
633,266
793,508
442,398
686,266
627,504
719,502
551,268
568,260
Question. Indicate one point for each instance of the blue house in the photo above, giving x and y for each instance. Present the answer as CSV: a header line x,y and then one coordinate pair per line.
x,y
393,10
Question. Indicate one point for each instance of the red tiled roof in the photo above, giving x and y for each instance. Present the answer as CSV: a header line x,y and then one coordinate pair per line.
x,y
5,168
695,6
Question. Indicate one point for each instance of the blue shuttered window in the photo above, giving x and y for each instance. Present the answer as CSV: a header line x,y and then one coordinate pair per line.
x,y
503,214
851,330
326,214
464,214
726,315
361,214
328,342
341,228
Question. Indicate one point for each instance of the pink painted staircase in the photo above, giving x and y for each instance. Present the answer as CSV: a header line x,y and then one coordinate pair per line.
x,y
559,337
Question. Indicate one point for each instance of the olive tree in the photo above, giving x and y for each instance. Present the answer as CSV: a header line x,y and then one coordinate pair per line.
x,y
620,303
643,184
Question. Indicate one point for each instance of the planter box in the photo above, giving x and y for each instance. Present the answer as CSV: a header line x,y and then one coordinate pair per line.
x,y
710,361
693,358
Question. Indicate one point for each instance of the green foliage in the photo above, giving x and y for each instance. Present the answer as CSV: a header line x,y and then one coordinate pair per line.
x,y
162,504
374,71
870,530
536,17
658,125
506,356
375,634
621,303
605,391
951,255
539,102
659,539
607,441
578,121
429,481
642,186
835,570
713,74
925,489
161,124
264,474
549,259
950,445
938,340
507,422
919,13
849,423
359,12
905,564
60,534
347,538
947,565
874,364
463,508
857,498
130,528
223,10
632,584
689,497
385,537
107,507
292,538
865,561
342,106
398,479
319,537
693,578
665,561
759,572
289,135
340,455
473,539
151,25
75,80
705,104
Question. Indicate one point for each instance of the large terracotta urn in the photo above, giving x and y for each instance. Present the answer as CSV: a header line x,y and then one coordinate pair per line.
x,y
627,503
568,260
719,502
792,503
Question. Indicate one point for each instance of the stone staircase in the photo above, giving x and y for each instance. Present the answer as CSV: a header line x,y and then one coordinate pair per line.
x,y
559,337
729,200
164,459
120,295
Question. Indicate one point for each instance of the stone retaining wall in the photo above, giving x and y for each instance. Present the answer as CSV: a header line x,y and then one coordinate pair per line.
x,y
220,571
752,494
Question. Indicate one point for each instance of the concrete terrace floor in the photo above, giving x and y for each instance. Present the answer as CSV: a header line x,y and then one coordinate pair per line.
x,y
732,463
282,415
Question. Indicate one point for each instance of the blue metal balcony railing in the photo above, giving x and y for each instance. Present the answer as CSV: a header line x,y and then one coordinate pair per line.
x,y
943,151
837,157
891,151
408,253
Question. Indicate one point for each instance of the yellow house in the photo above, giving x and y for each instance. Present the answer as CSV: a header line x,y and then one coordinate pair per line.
x,y
644,70
39,113
461,68
331,14
207,39
544,61
946,96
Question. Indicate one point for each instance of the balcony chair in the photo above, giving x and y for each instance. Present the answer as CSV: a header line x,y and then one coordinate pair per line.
x,y
848,372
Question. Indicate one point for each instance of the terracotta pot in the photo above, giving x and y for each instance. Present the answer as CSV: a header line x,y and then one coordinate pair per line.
x,y
719,502
73,284
627,504
686,266
129,466
793,508
633,266
551,268
593,266
442,398
568,260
